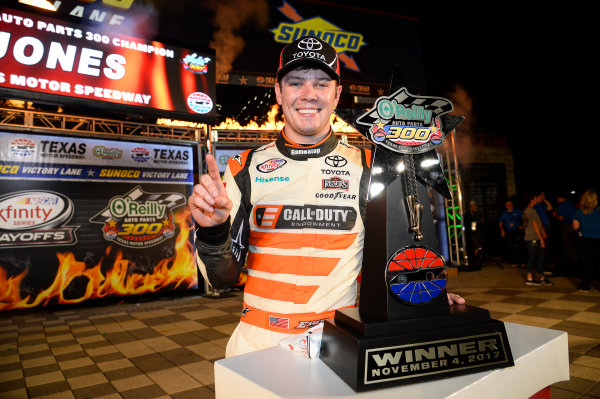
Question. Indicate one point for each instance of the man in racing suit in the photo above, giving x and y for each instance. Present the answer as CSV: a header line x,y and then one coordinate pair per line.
x,y
293,210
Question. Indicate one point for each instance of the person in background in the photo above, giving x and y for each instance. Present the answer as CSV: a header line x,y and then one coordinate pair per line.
x,y
542,207
535,242
300,270
586,220
564,214
474,234
511,230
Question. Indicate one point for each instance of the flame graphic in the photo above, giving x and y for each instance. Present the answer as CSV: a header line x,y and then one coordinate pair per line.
x,y
179,270
339,126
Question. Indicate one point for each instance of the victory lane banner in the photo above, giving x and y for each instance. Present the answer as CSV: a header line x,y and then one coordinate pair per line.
x,y
84,219
63,62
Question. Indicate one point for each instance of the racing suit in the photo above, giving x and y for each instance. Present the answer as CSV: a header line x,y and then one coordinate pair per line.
x,y
297,224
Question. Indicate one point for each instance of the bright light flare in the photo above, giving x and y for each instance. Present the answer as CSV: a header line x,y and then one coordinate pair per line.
x,y
426,163
376,188
45,4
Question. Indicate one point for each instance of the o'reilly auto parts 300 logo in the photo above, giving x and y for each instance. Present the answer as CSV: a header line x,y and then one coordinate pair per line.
x,y
139,219
33,218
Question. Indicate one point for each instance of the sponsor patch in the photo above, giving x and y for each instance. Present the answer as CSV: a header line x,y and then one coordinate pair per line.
x,y
335,183
279,322
309,323
307,216
271,165
336,161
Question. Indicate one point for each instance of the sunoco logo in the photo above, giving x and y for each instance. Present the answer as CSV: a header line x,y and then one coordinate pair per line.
x,y
271,165
343,41
31,218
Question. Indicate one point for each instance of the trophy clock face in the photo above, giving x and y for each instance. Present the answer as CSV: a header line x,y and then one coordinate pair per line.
x,y
416,275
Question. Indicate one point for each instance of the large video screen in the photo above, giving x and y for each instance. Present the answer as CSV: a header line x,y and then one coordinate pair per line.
x,y
60,62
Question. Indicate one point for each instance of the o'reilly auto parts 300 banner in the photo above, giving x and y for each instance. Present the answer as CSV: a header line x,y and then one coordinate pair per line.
x,y
85,219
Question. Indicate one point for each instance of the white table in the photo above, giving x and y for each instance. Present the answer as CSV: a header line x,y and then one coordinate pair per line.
x,y
541,358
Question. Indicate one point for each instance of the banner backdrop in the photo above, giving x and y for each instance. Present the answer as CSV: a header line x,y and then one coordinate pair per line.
x,y
85,219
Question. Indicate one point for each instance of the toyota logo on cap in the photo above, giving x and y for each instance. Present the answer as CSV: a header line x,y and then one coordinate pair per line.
x,y
310,52
310,43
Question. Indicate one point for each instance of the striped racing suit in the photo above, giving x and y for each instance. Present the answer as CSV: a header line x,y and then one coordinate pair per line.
x,y
297,226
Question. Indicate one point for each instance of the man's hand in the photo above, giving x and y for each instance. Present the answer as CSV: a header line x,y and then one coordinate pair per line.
x,y
209,202
454,298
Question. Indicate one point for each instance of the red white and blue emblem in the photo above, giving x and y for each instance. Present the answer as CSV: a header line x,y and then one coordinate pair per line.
x,y
416,275
279,322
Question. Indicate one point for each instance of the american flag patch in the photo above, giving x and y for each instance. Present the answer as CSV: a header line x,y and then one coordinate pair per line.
x,y
279,322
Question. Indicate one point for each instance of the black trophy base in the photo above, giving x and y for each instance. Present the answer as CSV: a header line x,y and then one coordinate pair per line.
x,y
370,354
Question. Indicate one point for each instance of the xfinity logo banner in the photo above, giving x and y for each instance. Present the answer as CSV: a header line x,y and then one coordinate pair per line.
x,y
32,218
437,357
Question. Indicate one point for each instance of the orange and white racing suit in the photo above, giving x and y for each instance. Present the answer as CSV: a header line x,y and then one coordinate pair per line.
x,y
297,225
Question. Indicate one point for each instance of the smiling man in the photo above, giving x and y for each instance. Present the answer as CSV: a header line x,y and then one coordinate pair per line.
x,y
292,211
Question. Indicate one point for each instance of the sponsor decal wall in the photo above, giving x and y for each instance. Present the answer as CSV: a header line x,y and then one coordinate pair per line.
x,y
63,62
84,219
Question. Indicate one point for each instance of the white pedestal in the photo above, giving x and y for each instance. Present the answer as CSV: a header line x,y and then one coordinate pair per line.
x,y
541,358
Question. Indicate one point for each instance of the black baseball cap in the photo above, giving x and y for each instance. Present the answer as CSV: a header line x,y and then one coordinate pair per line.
x,y
309,51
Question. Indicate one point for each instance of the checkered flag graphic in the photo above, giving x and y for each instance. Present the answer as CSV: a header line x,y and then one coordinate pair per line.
x,y
437,105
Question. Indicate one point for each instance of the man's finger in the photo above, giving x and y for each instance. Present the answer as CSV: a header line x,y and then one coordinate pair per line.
x,y
454,298
207,187
213,168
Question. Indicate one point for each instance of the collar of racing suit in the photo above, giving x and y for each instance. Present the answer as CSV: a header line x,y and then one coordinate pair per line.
x,y
301,152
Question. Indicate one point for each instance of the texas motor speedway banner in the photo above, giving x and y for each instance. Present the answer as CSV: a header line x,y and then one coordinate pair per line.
x,y
85,219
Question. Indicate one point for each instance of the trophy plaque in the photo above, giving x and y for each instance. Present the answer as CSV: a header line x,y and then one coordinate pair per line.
x,y
404,330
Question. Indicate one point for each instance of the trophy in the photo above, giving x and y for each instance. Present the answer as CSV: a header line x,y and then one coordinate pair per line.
x,y
403,330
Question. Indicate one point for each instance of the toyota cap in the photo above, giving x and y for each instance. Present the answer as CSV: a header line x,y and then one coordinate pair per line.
x,y
309,51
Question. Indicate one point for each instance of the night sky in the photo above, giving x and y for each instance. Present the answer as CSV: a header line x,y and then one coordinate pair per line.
x,y
519,68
